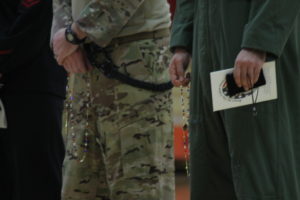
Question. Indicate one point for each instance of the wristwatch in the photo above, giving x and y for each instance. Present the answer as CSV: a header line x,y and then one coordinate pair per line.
x,y
72,37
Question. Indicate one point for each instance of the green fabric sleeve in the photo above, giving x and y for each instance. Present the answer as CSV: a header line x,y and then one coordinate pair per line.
x,y
102,20
270,25
182,28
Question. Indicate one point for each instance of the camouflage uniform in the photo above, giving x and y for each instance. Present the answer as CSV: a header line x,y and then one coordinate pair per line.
x,y
128,131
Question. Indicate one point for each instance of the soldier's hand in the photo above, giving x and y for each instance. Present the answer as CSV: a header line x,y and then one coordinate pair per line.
x,y
179,64
77,62
61,47
248,65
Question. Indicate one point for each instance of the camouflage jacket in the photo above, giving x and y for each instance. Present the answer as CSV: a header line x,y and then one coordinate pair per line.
x,y
103,20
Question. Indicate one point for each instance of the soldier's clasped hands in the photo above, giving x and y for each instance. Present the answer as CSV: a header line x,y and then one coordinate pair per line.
x,y
71,57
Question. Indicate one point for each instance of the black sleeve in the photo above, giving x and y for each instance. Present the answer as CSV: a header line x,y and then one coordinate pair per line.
x,y
28,31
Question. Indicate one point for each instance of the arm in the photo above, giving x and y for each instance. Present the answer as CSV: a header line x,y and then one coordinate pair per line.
x,y
102,20
269,27
182,28
181,41
62,15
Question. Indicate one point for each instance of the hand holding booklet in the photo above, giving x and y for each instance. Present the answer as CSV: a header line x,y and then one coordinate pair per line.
x,y
225,97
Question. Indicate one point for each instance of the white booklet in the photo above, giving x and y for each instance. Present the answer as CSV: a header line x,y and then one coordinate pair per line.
x,y
221,99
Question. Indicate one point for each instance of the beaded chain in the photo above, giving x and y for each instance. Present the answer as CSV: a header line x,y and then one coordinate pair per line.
x,y
185,126
71,121
88,107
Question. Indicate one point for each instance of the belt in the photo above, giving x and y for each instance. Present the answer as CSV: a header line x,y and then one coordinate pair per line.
x,y
161,33
110,70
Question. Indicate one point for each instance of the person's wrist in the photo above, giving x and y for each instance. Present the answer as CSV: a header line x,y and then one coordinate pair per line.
x,y
259,53
80,34
180,50
72,37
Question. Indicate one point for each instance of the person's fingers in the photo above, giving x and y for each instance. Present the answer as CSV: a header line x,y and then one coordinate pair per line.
x,y
173,74
180,72
76,64
60,59
182,78
67,66
250,76
187,79
244,78
186,82
247,67
256,74
237,76
177,68
73,65
62,51
57,50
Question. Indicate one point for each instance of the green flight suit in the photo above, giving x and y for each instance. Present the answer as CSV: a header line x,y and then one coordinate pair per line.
x,y
235,155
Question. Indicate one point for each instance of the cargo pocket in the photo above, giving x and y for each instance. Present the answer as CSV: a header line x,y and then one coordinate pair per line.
x,y
144,135
138,143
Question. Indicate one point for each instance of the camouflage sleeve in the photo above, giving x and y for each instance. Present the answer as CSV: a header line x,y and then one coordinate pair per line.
x,y
62,15
102,20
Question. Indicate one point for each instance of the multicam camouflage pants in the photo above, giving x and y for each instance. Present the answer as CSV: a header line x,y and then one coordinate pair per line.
x,y
119,138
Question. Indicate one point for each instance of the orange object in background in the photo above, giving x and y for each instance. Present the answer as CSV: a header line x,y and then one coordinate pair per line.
x,y
182,181
179,144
